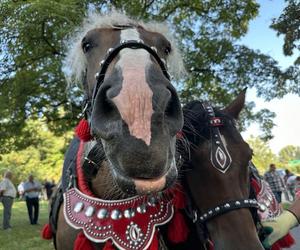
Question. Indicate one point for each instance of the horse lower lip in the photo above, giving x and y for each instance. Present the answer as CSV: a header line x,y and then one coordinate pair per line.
x,y
150,185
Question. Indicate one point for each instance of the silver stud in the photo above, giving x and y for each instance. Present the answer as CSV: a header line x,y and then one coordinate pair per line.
x,y
97,75
204,215
262,207
246,201
141,209
227,205
237,203
129,213
152,201
102,213
218,142
140,41
163,60
110,50
101,63
201,218
89,211
116,214
267,203
78,207
154,49
217,209
123,41
210,212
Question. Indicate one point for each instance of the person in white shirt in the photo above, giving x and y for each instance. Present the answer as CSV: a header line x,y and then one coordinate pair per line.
x,y
8,193
32,190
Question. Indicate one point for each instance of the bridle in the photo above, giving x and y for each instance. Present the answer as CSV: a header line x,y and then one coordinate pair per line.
x,y
221,160
109,57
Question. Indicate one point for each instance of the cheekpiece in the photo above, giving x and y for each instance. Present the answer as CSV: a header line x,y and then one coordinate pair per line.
x,y
129,223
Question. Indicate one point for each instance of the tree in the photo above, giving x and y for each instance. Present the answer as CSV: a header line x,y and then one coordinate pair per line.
x,y
289,153
262,154
32,51
288,24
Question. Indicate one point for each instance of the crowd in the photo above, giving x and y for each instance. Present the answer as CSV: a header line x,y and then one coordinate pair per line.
x,y
31,191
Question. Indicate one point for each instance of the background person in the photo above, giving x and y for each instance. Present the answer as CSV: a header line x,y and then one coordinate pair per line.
x,y
32,190
8,193
275,182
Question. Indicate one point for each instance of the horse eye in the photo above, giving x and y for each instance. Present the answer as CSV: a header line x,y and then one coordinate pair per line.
x,y
86,47
167,50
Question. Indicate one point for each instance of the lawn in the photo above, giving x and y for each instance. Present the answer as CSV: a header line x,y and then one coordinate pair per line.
x,y
24,236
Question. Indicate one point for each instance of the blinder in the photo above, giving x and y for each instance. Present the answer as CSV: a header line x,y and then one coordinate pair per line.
x,y
219,155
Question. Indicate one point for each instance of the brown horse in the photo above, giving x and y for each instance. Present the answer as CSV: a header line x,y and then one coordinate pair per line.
x,y
134,114
218,178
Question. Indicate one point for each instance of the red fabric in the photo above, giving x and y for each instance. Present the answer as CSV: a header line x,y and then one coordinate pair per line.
x,y
82,243
154,244
255,185
83,130
275,246
109,245
82,184
287,241
179,199
47,232
177,229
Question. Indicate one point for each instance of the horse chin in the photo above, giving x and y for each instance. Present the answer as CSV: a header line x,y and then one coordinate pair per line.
x,y
141,186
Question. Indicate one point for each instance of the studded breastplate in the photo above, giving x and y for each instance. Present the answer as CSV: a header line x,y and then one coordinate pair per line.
x,y
129,223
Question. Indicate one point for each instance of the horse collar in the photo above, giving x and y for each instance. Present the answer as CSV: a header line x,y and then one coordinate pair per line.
x,y
219,156
129,223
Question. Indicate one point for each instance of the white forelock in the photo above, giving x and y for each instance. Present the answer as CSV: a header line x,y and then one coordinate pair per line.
x,y
75,61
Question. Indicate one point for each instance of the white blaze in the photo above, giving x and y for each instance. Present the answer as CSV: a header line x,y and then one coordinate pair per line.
x,y
134,101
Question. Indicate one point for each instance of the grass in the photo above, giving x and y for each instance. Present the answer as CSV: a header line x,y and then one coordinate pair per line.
x,y
24,236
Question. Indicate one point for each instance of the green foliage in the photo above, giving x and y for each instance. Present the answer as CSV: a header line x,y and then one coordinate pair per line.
x,y
44,159
288,154
288,24
24,236
32,51
262,154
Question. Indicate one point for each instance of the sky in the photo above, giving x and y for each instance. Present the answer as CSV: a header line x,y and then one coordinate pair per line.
x,y
287,109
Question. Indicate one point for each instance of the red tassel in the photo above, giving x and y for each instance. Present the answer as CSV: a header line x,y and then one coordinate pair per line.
x,y
154,244
177,229
83,130
179,200
109,245
275,246
287,241
82,243
47,232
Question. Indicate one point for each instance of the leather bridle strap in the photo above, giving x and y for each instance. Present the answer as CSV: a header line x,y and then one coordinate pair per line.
x,y
113,52
225,208
219,155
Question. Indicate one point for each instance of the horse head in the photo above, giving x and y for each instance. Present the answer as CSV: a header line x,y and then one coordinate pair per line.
x,y
133,108
218,175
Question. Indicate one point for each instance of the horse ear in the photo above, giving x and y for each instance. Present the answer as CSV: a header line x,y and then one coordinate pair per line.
x,y
235,107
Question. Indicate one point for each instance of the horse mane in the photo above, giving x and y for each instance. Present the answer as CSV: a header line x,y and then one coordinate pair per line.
x,y
75,61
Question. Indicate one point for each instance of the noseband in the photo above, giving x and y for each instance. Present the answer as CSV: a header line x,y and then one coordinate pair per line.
x,y
110,55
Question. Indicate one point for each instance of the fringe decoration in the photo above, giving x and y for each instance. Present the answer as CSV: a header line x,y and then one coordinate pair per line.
x,y
83,131
47,232
82,243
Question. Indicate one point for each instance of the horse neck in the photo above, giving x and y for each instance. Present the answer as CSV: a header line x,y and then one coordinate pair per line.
x,y
235,228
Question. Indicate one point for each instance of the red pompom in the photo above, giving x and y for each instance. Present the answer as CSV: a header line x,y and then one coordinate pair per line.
x,y
275,246
47,232
109,245
82,243
177,230
179,199
154,244
287,241
83,130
